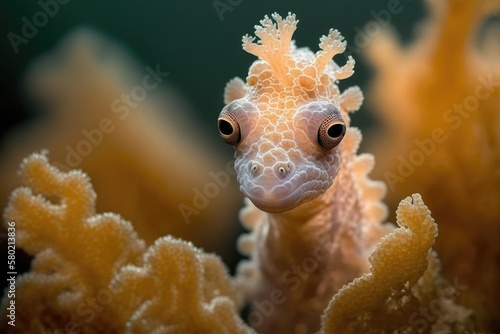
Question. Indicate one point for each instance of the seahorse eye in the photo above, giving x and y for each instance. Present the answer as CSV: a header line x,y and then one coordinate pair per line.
x,y
229,129
336,130
331,132
225,127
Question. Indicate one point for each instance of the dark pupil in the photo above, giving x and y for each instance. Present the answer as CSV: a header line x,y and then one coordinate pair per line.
x,y
225,127
336,130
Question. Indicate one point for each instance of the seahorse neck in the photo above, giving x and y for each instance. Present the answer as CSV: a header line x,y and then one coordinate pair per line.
x,y
328,224
301,227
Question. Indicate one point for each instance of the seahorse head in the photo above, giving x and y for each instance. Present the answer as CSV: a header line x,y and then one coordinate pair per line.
x,y
288,120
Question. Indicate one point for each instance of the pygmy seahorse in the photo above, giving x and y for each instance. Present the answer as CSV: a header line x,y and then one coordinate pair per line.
x,y
315,214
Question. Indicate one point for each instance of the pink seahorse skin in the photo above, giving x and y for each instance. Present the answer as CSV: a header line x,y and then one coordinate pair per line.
x,y
314,214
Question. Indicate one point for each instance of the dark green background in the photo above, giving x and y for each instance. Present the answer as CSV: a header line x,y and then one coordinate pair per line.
x,y
200,51
187,38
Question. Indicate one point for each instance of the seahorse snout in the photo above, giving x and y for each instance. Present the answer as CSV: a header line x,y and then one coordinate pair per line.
x,y
272,188
280,169
283,169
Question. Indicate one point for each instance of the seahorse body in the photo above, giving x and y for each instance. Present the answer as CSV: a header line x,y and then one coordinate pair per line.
x,y
314,214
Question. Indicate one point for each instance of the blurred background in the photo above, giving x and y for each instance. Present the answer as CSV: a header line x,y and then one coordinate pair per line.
x,y
67,65
197,42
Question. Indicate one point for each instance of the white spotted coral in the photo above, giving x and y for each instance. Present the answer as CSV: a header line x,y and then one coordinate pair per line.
x,y
91,273
181,289
403,279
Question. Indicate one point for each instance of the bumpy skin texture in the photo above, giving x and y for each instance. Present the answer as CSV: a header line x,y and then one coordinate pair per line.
x,y
93,274
320,215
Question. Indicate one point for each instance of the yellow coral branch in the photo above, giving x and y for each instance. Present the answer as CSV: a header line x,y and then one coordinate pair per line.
x,y
57,211
399,260
92,274
185,290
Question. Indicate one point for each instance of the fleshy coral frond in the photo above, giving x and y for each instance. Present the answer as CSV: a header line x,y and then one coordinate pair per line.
x,y
57,212
91,273
415,100
76,253
185,290
402,279
274,44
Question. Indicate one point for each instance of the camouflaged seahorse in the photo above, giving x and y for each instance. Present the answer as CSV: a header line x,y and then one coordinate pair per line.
x,y
315,216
